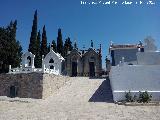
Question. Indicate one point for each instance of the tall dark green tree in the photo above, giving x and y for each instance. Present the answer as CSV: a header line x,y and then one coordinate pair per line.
x,y
54,46
60,43
10,48
67,46
15,49
32,44
38,57
44,49
48,47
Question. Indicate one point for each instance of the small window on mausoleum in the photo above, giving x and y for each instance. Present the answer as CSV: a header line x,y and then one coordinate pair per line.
x,y
51,61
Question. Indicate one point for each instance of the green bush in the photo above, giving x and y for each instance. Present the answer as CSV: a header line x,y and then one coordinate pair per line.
x,y
128,96
144,97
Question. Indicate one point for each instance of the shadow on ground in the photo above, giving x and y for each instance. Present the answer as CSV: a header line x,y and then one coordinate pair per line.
x,y
103,93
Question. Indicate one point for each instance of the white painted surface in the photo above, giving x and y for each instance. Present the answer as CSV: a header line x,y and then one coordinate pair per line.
x,y
57,58
26,68
25,61
135,78
148,58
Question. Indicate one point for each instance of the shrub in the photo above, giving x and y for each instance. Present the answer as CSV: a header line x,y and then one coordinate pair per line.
x,y
144,97
128,96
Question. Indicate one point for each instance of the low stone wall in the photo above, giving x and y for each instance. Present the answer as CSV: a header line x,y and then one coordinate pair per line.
x,y
26,85
30,85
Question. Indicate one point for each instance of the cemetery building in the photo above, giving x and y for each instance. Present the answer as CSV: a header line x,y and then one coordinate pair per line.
x,y
143,76
53,62
84,62
127,51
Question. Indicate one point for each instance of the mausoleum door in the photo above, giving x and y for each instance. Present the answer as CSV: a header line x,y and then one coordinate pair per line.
x,y
74,68
91,69
13,91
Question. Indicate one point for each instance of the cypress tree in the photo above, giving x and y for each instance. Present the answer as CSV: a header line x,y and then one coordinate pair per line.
x,y
67,46
44,49
60,43
54,46
32,44
70,44
48,48
38,57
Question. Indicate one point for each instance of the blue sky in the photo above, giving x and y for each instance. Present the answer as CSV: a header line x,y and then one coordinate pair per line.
x,y
100,23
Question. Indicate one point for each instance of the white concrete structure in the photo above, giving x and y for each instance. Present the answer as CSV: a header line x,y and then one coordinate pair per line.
x,y
51,64
135,78
27,64
151,56
28,60
145,76
148,58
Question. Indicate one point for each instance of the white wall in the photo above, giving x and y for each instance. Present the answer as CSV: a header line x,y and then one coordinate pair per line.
x,y
135,78
57,62
148,58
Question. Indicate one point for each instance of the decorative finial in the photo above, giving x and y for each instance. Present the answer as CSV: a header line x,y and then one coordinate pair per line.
x,y
91,44
75,44
111,43
50,45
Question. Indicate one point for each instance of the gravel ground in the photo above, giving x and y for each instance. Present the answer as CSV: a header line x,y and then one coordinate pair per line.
x,y
71,102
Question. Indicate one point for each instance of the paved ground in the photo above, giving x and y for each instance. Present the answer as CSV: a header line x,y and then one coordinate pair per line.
x,y
80,99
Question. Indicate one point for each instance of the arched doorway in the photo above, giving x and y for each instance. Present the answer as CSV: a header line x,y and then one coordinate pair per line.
x,y
92,66
52,67
29,60
91,69
74,65
74,68
13,91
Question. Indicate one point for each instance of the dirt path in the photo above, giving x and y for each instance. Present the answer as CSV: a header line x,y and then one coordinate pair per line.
x,y
80,99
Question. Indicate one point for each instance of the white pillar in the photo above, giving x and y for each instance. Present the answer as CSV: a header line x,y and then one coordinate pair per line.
x,y
43,68
123,60
10,68
32,62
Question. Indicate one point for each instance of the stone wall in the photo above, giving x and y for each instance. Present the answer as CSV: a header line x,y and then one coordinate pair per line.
x,y
31,85
52,83
27,85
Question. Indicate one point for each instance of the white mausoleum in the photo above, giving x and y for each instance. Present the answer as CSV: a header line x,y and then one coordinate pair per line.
x,y
28,60
52,64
